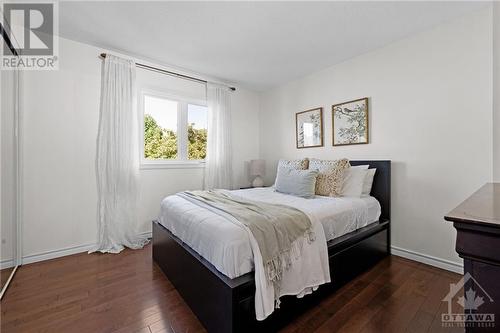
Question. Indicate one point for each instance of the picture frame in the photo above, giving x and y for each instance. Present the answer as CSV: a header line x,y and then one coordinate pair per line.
x,y
309,128
350,125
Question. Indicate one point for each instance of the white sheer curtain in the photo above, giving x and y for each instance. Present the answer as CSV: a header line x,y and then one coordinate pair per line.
x,y
117,164
218,169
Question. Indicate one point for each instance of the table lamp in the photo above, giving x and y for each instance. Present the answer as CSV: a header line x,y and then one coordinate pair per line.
x,y
257,170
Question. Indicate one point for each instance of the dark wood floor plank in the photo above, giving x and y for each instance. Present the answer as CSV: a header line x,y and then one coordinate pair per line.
x,y
129,293
421,322
344,316
373,298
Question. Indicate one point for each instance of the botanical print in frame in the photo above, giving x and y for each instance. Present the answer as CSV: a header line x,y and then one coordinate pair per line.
x,y
309,128
350,122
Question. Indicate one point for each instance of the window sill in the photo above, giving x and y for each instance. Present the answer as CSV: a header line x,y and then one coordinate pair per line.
x,y
172,165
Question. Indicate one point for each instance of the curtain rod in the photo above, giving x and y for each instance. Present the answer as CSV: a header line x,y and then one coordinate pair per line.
x,y
163,71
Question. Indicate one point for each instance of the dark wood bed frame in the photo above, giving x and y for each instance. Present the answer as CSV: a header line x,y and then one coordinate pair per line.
x,y
227,305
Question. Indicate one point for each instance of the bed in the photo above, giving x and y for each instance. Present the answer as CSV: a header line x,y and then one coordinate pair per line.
x,y
210,263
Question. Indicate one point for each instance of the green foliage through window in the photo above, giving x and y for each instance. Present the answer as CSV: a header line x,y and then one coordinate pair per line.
x,y
197,143
161,143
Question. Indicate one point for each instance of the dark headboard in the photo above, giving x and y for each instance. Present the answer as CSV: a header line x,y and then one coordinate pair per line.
x,y
381,188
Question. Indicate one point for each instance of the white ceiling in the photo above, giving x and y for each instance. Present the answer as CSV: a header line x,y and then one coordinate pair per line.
x,y
256,44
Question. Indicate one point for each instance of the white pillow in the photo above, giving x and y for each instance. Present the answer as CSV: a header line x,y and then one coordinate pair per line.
x,y
368,182
366,166
354,178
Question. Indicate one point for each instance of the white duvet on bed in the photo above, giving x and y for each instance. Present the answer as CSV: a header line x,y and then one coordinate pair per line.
x,y
307,271
227,246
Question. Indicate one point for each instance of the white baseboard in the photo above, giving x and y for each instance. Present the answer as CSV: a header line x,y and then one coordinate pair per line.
x,y
6,263
429,260
64,252
29,259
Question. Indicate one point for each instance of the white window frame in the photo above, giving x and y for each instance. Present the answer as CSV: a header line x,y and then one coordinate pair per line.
x,y
182,160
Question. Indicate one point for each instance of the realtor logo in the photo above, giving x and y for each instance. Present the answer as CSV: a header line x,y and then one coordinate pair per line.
x,y
30,38
475,296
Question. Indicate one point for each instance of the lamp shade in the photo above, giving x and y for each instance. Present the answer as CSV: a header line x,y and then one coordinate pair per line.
x,y
257,167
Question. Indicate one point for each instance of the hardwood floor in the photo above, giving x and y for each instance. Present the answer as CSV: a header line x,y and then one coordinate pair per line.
x,y
129,293
4,275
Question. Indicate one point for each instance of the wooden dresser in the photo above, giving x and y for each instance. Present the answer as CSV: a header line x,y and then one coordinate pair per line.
x,y
477,221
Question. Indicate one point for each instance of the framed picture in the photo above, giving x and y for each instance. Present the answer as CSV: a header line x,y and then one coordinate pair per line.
x,y
350,122
309,128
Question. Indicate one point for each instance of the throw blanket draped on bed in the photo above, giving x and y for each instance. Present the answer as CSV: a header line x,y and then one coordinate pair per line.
x,y
288,246
279,230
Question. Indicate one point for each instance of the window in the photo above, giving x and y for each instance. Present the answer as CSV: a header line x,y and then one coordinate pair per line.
x,y
160,128
174,130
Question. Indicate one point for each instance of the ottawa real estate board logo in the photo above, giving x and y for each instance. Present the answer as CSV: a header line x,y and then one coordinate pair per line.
x,y
29,35
472,305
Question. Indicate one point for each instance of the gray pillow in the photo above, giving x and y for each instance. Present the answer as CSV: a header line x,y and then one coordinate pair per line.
x,y
301,183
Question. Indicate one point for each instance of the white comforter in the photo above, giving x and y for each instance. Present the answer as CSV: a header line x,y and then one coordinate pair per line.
x,y
225,242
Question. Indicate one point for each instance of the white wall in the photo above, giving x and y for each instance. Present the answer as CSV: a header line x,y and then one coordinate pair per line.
x,y
60,129
431,100
430,113
496,91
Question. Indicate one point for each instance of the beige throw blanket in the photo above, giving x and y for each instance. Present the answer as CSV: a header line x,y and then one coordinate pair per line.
x,y
279,230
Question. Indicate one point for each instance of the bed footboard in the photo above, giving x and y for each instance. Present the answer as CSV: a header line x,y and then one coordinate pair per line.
x,y
227,305
210,294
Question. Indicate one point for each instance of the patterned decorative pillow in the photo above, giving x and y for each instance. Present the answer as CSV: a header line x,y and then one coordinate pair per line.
x,y
294,164
330,176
